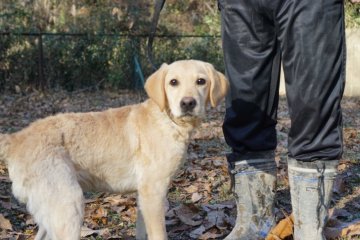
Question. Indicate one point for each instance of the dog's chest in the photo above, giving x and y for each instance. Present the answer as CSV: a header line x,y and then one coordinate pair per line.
x,y
175,152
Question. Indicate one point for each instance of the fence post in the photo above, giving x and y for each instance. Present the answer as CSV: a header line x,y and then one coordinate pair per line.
x,y
41,81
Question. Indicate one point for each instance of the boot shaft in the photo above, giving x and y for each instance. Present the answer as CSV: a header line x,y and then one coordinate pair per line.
x,y
311,186
254,192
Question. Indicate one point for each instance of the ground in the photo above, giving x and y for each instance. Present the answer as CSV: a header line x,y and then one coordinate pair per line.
x,y
199,205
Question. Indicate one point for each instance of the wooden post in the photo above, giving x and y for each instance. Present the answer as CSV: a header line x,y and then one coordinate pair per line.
x,y
41,81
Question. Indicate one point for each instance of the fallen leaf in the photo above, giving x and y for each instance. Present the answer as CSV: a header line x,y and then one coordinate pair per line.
x,y
339,213
218,162
87,201
282,230
352,229
6,205
5,223
30,221
178,229
119,200
213,226
207,187
171,213
5,179
187,215
191,189
195,197
100,214
118,209
129,215
336,228
217,219
342,166
219,206
339,185
198,232
87,232
17,89
171,222
212,234
6,198
342,229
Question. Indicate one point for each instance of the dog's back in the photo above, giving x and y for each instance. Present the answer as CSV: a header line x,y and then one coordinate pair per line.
x,y
4,145
101,147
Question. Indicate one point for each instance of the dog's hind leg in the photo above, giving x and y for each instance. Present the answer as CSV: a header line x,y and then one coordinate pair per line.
x,y
55,197
41,234
140,224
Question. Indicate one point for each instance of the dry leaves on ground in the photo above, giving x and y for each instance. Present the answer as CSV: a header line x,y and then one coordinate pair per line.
x,y
199,204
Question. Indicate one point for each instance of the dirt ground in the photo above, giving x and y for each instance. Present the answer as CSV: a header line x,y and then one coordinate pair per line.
x,y
199,204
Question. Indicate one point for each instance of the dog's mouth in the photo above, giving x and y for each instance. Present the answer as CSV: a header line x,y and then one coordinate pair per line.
x,y
191,114
186,118
188,114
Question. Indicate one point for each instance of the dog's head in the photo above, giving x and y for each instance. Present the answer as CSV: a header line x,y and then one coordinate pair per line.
x,y
185,87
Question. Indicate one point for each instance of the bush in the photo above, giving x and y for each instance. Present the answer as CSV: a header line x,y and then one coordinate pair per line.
x,y
101,58
352,15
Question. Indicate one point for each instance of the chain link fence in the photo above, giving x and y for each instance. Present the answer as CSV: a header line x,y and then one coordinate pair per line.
x,y
75,61
80,44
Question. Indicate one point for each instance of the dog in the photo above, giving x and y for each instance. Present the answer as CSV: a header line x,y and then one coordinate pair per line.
x,y
135,148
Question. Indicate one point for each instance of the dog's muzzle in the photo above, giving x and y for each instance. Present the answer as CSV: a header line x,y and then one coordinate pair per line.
x,y
187,105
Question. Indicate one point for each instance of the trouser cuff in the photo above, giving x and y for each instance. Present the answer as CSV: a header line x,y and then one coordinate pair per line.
x,y
314,164
236,156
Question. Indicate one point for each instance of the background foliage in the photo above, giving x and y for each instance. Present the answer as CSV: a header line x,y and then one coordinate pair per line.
x,y
96,43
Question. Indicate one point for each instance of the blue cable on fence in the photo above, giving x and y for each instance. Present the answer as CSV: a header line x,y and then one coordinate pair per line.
x,y
140,80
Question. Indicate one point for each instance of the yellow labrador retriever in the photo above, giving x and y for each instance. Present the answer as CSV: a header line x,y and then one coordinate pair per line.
x,y
133,148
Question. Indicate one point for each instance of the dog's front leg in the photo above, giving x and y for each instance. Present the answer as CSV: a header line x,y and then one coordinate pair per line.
x,y
140,224
151,199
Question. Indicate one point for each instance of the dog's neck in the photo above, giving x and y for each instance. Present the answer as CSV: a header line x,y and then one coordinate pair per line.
x,y
185,125
188,122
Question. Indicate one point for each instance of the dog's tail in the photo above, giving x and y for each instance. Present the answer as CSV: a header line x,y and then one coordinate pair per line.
x,y
4,146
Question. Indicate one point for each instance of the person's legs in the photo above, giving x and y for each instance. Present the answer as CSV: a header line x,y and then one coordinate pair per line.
x,y
252,62
252,66
313,46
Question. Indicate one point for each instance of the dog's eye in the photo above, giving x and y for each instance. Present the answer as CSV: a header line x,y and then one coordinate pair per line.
x,y
200,81
174,82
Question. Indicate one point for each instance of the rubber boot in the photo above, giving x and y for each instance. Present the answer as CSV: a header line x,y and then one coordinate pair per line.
x,y
311,186
254,178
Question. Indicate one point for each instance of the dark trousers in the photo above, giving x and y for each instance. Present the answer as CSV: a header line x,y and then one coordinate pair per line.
x,y
308,37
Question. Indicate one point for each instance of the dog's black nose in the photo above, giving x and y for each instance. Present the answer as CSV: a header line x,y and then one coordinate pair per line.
x,y
187,104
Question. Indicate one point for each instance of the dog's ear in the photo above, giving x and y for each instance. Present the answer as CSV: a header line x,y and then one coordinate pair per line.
x,y
155,86
219,85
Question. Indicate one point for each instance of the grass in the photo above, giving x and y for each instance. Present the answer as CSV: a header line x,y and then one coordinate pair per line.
x,y
352,15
